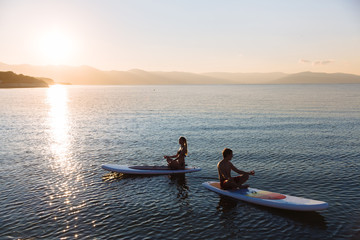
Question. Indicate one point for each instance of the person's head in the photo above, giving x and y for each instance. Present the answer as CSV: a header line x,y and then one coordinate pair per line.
x,y
182,141
227,153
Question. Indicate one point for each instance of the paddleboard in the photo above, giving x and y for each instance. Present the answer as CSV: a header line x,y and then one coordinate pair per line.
x,y
146,170
269,199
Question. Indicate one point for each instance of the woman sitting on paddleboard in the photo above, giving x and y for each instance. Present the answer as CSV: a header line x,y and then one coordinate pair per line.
x,y
178,161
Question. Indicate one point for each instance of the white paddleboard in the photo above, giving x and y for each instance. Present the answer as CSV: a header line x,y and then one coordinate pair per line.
x,y
269,199
146,170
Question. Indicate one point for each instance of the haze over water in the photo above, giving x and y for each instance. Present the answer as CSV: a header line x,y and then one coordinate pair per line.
x,y
301,140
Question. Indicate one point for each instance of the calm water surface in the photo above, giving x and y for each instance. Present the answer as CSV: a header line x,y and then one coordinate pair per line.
x,y
300,140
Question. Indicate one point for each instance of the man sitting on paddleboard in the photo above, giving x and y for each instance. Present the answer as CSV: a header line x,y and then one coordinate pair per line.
x,y
224,169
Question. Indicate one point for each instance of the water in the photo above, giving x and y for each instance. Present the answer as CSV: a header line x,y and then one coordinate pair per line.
x,y
301,140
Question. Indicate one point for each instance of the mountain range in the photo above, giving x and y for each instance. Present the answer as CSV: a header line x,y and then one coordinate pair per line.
x,y
85,75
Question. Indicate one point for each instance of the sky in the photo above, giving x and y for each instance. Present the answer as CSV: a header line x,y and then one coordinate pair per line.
x,y
184,35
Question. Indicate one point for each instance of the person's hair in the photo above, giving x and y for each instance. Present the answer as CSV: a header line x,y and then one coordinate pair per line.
x,y
185,143
226,152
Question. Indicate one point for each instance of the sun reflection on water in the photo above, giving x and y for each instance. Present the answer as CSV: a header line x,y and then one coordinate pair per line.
x,y
59,126
64,183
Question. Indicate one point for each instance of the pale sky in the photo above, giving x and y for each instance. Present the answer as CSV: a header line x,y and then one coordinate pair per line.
x,y
184,35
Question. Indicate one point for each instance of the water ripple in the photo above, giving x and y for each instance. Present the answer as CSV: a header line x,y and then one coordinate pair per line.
x,y
52,186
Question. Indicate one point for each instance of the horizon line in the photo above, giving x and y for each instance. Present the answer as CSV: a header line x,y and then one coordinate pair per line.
x,y
172,71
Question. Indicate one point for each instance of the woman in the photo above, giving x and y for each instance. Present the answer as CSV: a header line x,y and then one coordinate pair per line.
x,y
178,161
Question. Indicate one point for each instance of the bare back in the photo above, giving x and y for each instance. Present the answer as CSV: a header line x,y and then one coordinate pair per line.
x,y
224,170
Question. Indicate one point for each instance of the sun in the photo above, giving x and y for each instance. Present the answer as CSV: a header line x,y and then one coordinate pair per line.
x,y
56,47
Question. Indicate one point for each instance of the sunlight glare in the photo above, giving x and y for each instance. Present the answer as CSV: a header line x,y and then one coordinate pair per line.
x,y
56,47
58,120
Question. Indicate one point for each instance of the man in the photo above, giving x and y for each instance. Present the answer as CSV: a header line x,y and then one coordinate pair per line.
x,y
224,169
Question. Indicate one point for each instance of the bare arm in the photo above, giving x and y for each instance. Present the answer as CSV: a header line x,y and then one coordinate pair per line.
x,y
177,156
240,171
174,156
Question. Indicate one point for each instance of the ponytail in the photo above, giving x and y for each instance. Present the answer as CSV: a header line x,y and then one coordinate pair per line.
x,y
185,144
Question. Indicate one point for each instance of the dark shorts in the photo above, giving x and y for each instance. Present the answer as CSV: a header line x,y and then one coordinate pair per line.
x,y
239,180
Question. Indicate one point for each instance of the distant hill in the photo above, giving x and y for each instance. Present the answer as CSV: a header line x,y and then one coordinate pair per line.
x,y
318,78
12,80
47,80
247,78
85,75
